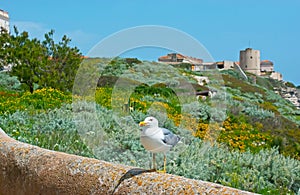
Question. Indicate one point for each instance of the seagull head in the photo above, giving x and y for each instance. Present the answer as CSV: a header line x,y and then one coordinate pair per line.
x,y
149,122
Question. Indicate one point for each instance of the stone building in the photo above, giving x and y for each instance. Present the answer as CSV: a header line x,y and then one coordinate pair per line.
x,y
276,76
266,66
4,20
176,58
172,58
225,65
250,60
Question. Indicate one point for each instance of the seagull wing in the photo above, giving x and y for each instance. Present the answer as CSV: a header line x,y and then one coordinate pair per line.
x,y
169,137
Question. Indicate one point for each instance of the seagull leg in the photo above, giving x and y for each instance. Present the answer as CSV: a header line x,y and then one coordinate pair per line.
x,y
165,163
153,161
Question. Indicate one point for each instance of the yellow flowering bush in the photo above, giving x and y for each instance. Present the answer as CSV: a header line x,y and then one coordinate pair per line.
x,y
185,121
137,101
103,96
237,135
46,98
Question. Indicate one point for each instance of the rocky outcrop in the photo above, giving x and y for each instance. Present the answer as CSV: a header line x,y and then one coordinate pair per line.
x,y
201,80
291,94
27,169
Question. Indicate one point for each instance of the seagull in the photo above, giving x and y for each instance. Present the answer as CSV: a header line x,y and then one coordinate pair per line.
x,y
156,139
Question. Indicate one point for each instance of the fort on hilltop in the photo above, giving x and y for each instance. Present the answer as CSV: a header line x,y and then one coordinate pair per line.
x,y
249,62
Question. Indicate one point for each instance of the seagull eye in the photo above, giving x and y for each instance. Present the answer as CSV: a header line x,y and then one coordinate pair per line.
x,y
151,119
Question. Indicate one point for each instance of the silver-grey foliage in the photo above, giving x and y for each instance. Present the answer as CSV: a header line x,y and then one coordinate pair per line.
x,y
118,141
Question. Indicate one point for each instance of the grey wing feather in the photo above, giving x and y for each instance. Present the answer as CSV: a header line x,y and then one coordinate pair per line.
x,y
169,137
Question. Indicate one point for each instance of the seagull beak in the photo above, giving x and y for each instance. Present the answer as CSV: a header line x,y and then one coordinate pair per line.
x,y
142,124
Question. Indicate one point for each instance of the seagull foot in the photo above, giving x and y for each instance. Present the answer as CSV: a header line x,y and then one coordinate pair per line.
x,y
161,171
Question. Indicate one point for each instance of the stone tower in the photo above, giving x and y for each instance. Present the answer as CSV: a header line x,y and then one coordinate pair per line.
x,y
250,60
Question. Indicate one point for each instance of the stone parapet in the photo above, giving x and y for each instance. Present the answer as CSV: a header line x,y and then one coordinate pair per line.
x,y
27,169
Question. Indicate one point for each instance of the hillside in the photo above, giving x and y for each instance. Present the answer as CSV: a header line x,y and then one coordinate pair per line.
x,y
263,107
243,134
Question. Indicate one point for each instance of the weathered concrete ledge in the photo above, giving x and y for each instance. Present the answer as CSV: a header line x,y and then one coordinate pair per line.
x,y
27,169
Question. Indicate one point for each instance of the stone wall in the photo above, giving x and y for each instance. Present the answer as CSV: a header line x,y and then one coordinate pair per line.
x,y
27,169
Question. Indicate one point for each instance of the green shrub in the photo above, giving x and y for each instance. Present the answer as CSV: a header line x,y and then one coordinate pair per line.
x,y
266,172
289,84
9,83
233,73
54,130
269,106
243,86
255,111
264,82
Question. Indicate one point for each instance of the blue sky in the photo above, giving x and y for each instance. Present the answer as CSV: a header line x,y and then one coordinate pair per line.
x,y
223,27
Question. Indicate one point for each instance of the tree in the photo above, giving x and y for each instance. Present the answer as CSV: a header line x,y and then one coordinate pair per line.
x,y
63,62
27,56
46,63
4,36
